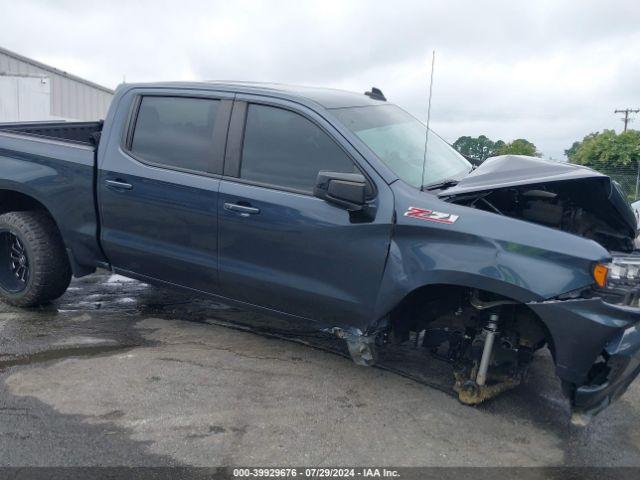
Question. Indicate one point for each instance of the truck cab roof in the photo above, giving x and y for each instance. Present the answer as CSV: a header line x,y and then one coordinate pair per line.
x,y
325,97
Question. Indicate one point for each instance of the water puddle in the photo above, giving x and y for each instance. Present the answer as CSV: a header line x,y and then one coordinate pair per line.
x,y
59,354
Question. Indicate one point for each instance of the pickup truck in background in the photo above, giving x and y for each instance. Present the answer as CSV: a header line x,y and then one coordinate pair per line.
x,y
312,204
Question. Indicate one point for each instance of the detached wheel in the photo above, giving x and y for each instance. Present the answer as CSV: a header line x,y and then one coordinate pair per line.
x,y
34,268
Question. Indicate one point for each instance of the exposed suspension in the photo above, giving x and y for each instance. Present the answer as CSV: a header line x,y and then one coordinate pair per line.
x,y
490,331
476,384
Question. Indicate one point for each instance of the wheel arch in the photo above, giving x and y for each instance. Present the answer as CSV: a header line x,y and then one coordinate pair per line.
x,y
434,291
19,200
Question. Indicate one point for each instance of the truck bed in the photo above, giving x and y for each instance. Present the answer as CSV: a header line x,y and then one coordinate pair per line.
x,y
86,133
53,163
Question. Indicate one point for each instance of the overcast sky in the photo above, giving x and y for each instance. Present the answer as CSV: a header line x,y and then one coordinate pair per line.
x,y
549,71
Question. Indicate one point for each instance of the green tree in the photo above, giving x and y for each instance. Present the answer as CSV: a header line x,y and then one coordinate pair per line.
x,y
571,151
477,148
519,147
608,151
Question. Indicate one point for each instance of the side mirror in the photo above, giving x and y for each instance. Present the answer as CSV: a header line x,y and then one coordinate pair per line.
x,y
348,190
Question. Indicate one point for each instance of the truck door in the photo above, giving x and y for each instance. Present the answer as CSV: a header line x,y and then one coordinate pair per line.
x,y
158,187
279,246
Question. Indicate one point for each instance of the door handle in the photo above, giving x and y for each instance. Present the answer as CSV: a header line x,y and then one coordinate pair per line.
x,y
118,185
243,210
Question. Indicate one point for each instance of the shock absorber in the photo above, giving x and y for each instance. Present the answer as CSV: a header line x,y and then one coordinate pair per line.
x,y
491,330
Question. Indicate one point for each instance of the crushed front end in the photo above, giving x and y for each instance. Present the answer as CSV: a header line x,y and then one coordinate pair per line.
x,y
593,332
596,335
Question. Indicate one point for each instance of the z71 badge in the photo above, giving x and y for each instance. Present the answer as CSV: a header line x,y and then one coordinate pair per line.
x,y
431,215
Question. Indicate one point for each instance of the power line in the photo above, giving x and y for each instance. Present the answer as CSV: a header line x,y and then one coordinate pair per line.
x,y
626,112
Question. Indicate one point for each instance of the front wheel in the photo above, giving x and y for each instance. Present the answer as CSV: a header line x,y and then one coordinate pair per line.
x,y
34,268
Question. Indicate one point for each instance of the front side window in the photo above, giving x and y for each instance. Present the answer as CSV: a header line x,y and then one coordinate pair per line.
x,y
284,149
398,139
175,132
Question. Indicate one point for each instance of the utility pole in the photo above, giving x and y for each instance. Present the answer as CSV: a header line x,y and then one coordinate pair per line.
x,y
626,112
626,121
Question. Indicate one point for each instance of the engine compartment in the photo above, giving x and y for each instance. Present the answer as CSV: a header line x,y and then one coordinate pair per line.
x,y
580,207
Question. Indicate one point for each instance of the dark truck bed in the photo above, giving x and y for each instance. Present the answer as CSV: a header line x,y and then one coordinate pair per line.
x,y
53,165
86,133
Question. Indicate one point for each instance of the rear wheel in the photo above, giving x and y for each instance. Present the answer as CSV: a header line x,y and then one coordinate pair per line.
x,y
34,268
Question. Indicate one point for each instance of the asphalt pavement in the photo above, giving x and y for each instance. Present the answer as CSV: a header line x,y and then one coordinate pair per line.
x,y
119,373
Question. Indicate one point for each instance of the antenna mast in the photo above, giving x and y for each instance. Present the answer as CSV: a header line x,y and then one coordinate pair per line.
x,y
426,137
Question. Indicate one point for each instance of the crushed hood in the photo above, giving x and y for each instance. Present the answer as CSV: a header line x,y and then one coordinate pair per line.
x,y
606,201
513,170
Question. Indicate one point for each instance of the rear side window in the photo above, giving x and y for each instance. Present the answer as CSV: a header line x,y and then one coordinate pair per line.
x,y
175,132
284,149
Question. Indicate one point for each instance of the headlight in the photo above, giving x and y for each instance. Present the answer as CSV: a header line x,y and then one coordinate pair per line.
x,y
620,272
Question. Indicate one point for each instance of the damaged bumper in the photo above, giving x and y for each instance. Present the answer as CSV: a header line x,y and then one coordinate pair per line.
x,y
620,368
596,347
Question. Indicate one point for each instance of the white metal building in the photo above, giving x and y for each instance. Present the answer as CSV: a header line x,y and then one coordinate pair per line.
x,y
30,90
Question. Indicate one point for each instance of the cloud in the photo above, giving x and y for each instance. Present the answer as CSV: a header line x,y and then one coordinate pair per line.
x,y
550,71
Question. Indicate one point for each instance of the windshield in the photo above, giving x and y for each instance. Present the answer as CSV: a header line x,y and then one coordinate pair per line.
x,y
398,140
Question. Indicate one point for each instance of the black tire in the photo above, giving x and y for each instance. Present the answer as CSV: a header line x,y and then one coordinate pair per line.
x,y
34,267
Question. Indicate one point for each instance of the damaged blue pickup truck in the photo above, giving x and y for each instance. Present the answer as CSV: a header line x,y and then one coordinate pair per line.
x,y
313,204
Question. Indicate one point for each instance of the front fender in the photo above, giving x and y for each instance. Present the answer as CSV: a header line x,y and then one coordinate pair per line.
x,y
513,258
